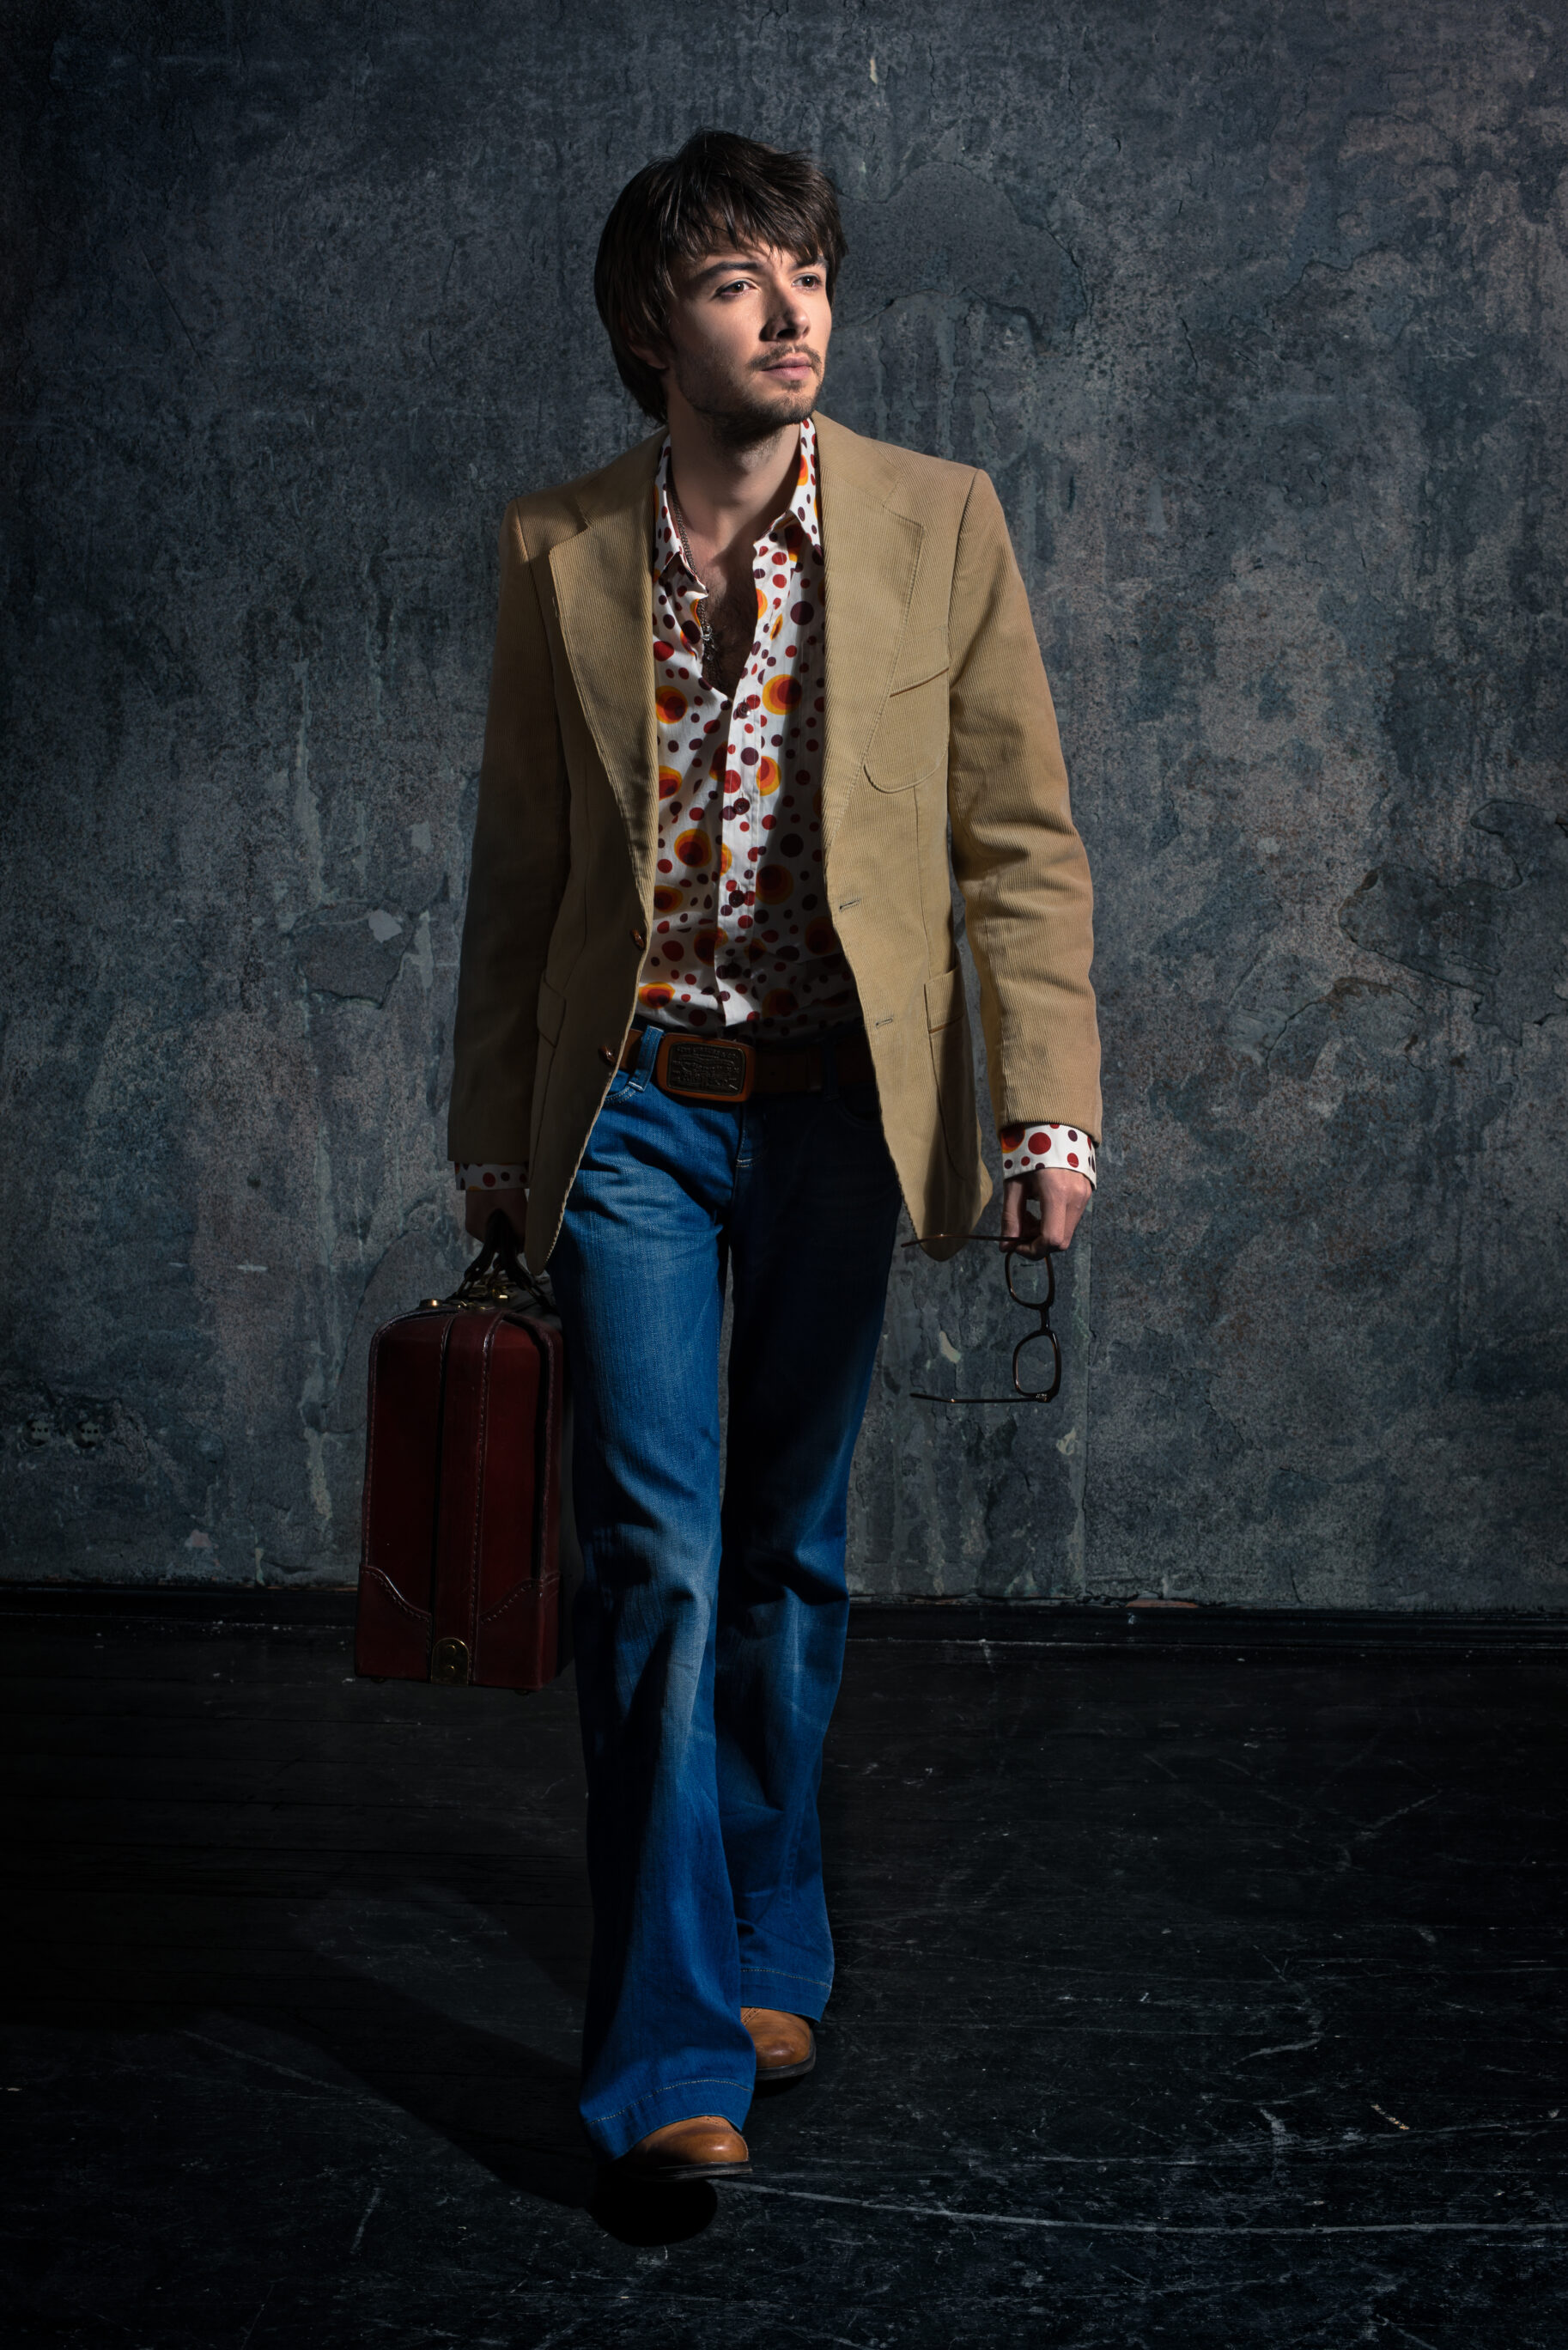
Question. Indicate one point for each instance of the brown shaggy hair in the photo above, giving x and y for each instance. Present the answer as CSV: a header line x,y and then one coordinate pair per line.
x,y
719,189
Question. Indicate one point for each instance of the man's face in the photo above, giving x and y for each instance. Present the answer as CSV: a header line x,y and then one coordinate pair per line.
x,y
748,341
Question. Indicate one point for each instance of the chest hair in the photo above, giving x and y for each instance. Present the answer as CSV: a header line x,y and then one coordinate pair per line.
x,y
732,623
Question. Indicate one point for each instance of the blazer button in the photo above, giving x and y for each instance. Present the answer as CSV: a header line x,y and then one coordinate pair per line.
x,y
609,1055
639,937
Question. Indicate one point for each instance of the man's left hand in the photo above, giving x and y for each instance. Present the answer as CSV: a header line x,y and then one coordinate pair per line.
x,y
1040,1211
480,1206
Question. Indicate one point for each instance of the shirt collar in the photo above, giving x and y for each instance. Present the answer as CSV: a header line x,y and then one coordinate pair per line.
x,y
804,504
801,508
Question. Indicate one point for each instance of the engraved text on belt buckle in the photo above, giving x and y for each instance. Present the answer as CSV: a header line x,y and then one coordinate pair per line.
x,y
703,1068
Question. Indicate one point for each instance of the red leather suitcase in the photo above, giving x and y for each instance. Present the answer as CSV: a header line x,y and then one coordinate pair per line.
x,y
460,1567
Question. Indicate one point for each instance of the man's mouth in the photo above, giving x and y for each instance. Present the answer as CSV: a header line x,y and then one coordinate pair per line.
x,y
795,363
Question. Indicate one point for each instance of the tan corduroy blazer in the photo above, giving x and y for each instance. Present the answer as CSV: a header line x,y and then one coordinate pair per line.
x,y
939,717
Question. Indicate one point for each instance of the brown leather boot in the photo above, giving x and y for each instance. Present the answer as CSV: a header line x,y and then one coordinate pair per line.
x,y
785,2044
704,2147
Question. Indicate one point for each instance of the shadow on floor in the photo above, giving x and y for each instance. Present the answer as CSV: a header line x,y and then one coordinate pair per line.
x,y
308,1918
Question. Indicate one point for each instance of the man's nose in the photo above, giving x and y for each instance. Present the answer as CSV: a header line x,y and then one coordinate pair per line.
x,y
788,320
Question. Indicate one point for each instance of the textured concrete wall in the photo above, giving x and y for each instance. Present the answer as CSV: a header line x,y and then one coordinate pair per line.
x,y
1255,314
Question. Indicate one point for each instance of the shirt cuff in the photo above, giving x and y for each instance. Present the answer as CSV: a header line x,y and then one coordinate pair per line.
x,y
1049,1144
487,1175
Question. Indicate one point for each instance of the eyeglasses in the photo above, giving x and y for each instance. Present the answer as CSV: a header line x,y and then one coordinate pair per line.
x,y
1043,1335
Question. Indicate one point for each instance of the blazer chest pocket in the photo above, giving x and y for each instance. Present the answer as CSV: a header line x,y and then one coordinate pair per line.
x,y
911,738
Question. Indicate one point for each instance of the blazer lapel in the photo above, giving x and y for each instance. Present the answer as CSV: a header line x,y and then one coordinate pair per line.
x,y
604,596
870,554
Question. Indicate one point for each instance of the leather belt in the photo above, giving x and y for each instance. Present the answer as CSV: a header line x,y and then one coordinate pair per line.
x,y
725,1069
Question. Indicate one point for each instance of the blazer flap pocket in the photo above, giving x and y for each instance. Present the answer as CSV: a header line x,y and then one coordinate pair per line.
x,y
922,655
944,999
551,1013
911,738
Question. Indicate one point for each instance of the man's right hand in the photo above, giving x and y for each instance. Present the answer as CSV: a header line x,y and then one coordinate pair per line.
x,y
481,1205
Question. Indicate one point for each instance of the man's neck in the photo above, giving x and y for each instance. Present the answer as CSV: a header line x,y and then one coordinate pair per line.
x,y
729,496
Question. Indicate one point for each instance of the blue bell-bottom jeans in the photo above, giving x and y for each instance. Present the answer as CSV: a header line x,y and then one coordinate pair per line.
x,y
711,1622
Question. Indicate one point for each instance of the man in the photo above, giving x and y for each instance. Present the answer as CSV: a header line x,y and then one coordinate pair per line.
x,y
711,1022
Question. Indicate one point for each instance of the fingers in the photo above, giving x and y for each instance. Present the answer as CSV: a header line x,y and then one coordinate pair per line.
x,y
1020,1230
1063,1198
1059,1227
1058,1219
1040,1211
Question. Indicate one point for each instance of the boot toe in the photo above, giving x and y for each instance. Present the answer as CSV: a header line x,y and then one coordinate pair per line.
x,y
785,2044
706,2147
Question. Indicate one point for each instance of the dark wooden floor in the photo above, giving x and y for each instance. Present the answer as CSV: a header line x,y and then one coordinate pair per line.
x,y
1189,1994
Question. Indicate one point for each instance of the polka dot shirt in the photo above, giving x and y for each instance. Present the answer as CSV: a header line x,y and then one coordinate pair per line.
x,y
741,938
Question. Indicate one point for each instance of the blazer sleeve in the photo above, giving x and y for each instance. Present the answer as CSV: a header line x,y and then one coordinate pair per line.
x,y
517,874
1019,864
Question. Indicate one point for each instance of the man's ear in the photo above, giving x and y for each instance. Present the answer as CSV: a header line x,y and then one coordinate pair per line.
x,y
653,355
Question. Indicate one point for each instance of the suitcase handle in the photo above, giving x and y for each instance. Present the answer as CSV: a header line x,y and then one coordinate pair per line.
x,y
498,1276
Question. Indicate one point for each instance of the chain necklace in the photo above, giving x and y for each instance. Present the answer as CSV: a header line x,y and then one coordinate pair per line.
x,y
710,637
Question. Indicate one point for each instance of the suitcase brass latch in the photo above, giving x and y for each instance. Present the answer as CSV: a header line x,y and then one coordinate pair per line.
x,y
449,1662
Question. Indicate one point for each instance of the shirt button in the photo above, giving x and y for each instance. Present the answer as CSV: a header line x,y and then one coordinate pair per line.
x,y
609,1055
640,936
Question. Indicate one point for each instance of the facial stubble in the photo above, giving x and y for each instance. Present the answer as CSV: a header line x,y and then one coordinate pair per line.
x,y
735,422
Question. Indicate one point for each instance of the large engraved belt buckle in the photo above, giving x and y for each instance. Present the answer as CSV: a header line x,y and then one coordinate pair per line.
x,y
705,1068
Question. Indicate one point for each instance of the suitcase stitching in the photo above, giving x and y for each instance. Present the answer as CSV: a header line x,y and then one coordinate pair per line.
x,y
367,1572
378,1574
482,1449
537,1585
532,1589
370,1461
